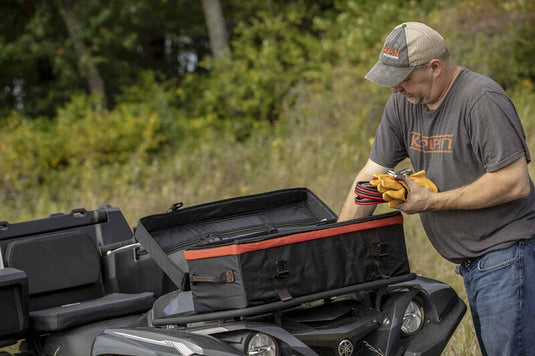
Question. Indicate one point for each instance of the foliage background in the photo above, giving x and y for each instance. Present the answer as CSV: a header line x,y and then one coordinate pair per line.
x,y
289,106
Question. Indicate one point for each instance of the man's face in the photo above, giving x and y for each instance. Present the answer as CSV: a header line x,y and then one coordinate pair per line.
x,y
417,88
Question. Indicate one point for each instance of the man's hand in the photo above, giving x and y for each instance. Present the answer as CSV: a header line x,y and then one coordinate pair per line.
x,y
419,198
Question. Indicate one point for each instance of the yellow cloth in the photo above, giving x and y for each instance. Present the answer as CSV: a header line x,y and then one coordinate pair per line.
x,y
395,191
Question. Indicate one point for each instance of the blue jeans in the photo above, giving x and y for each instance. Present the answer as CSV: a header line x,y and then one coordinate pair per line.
x,y
501,292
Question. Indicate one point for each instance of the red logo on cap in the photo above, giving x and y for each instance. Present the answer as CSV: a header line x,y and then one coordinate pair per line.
x,y
390,51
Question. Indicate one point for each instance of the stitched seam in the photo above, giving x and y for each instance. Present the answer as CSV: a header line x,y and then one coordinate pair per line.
x,y
498,266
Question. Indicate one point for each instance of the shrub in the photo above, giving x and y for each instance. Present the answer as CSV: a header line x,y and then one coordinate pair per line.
x,y
79,136
271,53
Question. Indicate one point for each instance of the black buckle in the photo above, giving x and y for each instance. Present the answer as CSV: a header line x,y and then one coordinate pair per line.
x,y
175,207
468,262
282,270
382,249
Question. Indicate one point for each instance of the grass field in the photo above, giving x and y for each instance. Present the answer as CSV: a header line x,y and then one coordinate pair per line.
x,y
320,143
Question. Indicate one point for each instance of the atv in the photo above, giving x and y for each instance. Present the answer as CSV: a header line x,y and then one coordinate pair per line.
x,y
81,283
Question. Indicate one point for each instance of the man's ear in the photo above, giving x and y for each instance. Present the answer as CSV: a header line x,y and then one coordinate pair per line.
x,y
436,67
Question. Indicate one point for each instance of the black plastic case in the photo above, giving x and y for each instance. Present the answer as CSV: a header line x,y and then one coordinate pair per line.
x,y
19,297
14,303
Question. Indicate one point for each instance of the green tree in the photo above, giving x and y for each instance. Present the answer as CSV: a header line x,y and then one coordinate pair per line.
x,y
100,47
217,31
86,65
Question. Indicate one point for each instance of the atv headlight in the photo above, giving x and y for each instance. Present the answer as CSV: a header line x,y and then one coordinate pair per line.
x,y
413,319
262,345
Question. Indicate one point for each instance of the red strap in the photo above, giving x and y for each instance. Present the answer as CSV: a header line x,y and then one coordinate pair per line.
x,y
239,249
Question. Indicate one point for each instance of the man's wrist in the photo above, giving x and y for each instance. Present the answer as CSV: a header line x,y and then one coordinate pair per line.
x,y
433,202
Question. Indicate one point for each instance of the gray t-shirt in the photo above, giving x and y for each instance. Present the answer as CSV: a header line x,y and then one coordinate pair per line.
x,y
475,130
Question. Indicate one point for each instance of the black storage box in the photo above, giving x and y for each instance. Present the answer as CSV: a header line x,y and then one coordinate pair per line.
x,y
166,236
57,278
254,271
14,303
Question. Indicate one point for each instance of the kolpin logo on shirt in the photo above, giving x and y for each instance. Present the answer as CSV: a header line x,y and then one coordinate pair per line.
x,y
431,144
390,53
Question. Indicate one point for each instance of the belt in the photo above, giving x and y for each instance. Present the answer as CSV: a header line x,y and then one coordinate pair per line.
x,y
466,264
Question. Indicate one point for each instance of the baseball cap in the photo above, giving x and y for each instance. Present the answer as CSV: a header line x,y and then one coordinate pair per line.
x,y
408,45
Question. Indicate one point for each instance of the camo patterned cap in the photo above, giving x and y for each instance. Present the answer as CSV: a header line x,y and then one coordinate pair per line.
x,y
408,45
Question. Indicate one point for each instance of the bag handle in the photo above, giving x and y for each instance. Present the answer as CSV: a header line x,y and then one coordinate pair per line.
x,y
223,278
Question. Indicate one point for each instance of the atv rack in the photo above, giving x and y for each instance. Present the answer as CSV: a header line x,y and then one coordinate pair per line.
x,y
185,318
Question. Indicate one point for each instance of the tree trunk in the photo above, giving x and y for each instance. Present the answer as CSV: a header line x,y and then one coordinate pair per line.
x,y
217,32
94,80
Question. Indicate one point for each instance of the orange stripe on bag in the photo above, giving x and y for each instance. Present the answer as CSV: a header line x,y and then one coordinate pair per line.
x,y
238,249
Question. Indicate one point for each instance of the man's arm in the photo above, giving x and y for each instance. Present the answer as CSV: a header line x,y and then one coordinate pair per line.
x,y
506,184
350,210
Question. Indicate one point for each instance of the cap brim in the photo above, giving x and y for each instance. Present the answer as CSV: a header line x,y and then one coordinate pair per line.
x,y
387,76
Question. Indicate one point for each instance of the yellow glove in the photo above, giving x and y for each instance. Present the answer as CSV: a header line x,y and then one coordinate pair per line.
x,y
385,183
420,179
396,191
378,177
391,185
392,203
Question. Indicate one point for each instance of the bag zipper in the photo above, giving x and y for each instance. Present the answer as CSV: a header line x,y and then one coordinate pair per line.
x,y
224,236
297,223
318,226
215,238
182,245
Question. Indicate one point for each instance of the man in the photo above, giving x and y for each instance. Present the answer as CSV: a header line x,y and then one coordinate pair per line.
x,y
462,129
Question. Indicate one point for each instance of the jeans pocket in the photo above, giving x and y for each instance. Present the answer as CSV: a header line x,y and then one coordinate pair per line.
x,y
498,259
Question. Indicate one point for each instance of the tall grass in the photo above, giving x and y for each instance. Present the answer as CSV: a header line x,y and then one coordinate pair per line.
x,y
320,142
